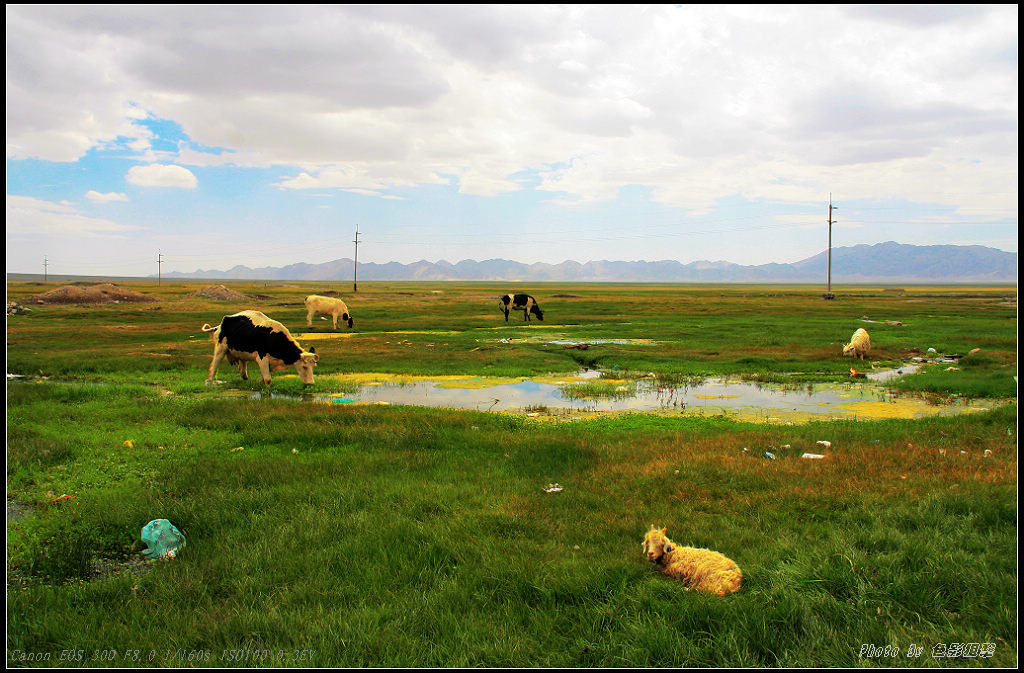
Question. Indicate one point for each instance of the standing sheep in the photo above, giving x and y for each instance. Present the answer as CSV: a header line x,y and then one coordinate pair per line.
x,y
702,569
860,344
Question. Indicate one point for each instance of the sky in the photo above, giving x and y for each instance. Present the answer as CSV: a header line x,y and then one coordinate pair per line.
x,y
206,137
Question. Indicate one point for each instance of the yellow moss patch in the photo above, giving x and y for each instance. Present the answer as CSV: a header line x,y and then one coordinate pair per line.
x,y
323,336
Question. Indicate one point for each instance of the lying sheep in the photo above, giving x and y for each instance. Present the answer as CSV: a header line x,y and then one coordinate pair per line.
x,y
860,344
335,308
702,569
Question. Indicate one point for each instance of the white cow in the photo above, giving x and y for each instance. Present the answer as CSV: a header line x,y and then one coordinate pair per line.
x,y
335,308
860,344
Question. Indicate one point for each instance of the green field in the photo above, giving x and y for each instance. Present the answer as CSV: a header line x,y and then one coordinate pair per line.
x,y
335,535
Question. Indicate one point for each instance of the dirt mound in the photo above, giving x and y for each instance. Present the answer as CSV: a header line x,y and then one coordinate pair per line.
x,y
104,293
224,294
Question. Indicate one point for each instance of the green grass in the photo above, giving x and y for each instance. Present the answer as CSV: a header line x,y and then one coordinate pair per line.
x,y
413,537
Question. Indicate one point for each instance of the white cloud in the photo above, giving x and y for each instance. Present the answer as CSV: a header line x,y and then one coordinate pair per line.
x,y
162,175
31,217
698,102
97,197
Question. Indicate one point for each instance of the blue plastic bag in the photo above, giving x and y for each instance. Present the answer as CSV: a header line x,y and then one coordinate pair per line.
x,y
163,538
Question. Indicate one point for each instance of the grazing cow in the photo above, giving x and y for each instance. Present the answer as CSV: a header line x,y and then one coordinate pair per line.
x,y
328,306
860,344
250,336
520,302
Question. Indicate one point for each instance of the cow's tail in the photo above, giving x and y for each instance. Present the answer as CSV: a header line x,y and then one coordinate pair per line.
x,y
207,328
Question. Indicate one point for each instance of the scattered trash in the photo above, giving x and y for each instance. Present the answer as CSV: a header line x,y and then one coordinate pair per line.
x,y
854,374
988,453
533,414
942,452
932,350
382,403
163,539
745,450
130,443
952,369
822,442
785,446
768,454
237,448
63,497
295,451
972,351
813,456
553,488
342,400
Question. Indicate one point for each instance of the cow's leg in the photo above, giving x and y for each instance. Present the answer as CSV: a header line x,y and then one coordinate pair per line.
x,y
506,314
526,315
309,317
264,363
335,316
220,349
242,369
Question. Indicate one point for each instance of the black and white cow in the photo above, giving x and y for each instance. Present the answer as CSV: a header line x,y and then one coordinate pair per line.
x,y
521,302
250,336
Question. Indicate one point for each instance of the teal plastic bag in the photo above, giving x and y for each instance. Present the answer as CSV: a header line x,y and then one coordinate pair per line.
x,y
163,538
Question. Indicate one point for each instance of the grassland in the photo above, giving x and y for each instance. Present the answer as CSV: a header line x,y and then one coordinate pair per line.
x,y
332,535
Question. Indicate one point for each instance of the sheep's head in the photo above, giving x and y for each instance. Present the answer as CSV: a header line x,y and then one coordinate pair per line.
x,y
849,349
656,544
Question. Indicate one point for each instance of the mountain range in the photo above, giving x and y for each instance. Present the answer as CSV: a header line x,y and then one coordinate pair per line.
x,y
882,262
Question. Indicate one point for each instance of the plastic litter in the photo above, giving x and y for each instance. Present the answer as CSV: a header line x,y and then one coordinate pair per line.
x,y
988,453
824,442
164,540
813,456
769,454
63,497
342,400
129,443
553,488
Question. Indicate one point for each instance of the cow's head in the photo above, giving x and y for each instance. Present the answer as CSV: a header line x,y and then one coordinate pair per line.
x,y
350,321
535,310
656,545
305,365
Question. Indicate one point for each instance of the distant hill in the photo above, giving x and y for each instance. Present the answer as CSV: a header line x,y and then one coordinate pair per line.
x,y
884,262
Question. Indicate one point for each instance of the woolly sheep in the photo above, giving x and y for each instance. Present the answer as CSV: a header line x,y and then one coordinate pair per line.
x,y
702,569
860,344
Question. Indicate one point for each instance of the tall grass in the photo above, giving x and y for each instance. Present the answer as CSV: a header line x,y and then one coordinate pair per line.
x,y
415,537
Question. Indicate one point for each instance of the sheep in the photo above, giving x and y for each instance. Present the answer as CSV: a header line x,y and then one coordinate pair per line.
x,y
860,344
701,569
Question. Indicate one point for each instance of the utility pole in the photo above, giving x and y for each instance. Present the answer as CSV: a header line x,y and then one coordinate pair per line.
x,y
355,263
159,262
829,294
44,269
